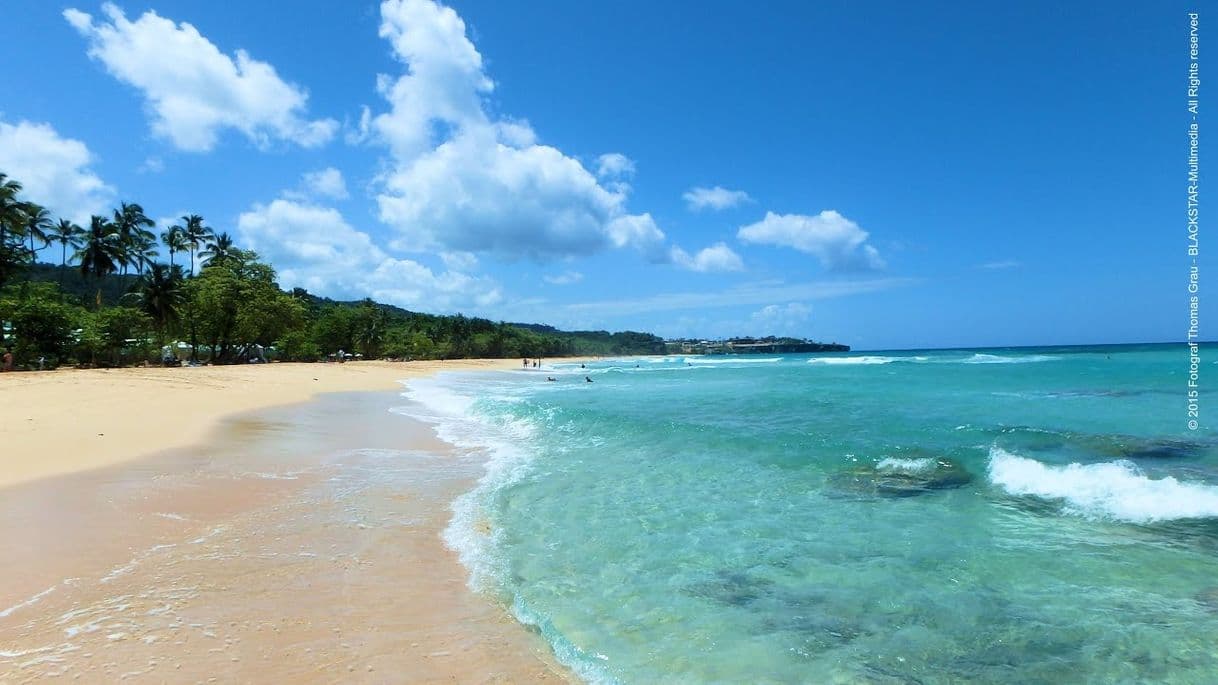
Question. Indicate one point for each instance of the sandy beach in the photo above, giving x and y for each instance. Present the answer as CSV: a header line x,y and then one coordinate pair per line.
x,y
237,524
66,421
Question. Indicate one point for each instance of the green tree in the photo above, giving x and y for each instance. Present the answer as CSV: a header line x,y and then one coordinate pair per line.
x,y
36,223
42,323
67,234
296,345
219,249
368,327
133,235
12,218
116,336
161,296
142,251
175,241
334,330
100,251
195,234
236,304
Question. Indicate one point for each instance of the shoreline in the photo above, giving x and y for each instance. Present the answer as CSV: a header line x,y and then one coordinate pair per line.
x,y
65,421
224,530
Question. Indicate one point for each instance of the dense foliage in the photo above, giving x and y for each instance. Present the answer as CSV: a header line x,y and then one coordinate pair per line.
x,y
110,301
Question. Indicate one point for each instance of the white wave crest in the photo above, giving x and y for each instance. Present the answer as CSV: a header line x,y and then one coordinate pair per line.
x,y
731,360
450,404
999,359
1114,490
864,360
439,397
906,465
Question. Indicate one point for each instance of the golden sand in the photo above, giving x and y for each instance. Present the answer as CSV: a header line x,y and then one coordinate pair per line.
x,y
291,544
64,421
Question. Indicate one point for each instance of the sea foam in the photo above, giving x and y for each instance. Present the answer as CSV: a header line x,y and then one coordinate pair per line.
x,y
440,400
980,358
1114,490
732,359
864,360
905,465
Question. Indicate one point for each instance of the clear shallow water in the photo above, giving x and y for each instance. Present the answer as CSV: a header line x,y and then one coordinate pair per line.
x,y
932,516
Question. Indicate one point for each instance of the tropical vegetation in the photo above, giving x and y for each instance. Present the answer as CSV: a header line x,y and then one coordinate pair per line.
x,y
107,298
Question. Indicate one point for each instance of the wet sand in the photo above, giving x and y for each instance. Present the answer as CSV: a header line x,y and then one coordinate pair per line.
x,y
296,544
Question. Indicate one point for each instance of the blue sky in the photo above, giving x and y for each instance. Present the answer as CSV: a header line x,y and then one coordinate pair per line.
x,y
894,175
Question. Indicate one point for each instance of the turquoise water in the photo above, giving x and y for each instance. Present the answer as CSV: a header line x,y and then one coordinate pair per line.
x,y
943,516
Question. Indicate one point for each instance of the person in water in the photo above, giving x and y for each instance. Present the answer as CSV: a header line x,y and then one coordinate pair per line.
x,y
588,378
551,378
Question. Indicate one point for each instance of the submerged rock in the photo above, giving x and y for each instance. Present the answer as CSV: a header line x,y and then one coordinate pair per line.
x,y
902,477
733,588
1208,598
1163,449
1099,445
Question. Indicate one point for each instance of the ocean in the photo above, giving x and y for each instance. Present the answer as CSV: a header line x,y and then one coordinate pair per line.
x,y
1003,515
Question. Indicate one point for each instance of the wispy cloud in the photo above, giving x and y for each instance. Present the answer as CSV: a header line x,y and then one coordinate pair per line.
x,y
747,294
778,319
1004,264
565,278
715,199
614,165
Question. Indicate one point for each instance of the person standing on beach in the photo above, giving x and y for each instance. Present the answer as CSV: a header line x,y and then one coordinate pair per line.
x,y
8,360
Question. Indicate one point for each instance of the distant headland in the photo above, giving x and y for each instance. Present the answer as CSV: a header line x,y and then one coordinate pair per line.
x,y
767,345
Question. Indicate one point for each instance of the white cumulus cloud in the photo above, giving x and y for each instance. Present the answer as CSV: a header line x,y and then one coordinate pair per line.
x,y
460,179
326,182
313,247
717,257
716,199
614,165
192,90
837,242
54,171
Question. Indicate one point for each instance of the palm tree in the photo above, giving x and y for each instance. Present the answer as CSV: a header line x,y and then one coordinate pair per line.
x,y
66,234
219,249
142,250
11,221
132,225
101,251
37,222
196,235
175,241
11,214
161,294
